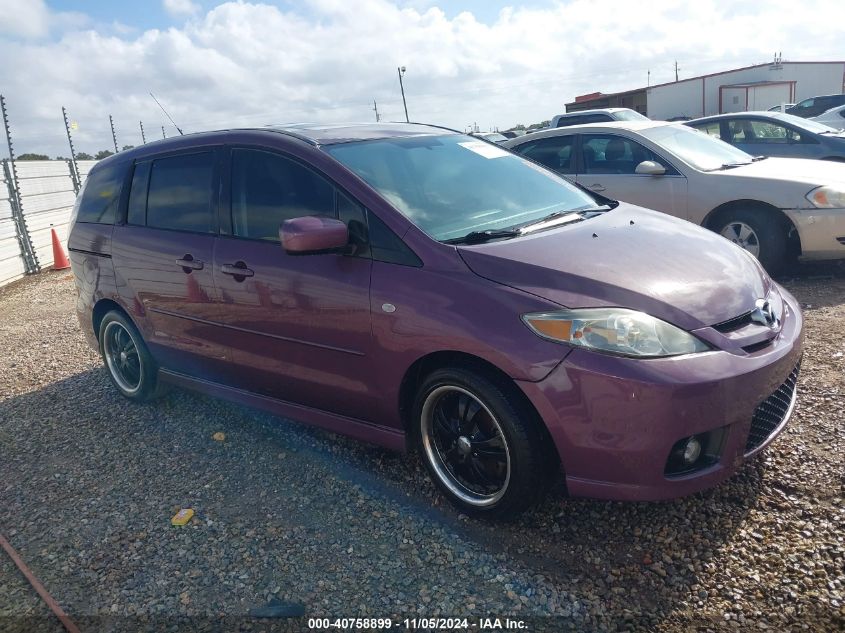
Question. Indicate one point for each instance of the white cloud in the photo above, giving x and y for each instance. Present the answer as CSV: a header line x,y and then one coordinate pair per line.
x,y
252,64
24,18
180,8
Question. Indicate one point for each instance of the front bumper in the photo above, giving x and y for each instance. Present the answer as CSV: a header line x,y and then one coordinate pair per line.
x,y
819,230
614,420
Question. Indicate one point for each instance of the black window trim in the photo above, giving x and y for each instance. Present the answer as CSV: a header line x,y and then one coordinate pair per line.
x,y
124,211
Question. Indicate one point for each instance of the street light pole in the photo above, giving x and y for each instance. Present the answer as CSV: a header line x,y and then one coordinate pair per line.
x,y
401,71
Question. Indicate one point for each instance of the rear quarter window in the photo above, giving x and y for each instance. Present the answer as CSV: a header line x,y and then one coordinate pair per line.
x,y
101,196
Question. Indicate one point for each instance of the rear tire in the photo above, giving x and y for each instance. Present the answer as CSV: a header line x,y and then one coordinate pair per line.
x,y
482,447
761,232
128,361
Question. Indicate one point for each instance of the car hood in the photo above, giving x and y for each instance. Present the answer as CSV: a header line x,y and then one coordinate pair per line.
x,y
798,170
629,257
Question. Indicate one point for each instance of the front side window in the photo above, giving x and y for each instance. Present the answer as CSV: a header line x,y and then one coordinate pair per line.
x,y
453,184
268,189
611,154
101,195
180,193
554,152
756,131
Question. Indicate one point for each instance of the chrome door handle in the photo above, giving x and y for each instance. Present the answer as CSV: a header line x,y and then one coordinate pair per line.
x,y
238,269
188,263
597,187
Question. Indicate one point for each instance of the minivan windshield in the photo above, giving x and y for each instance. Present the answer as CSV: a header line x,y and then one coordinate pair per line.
x,y
696,148
453,185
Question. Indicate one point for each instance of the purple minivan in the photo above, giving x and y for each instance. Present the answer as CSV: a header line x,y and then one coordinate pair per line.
x,y
414,287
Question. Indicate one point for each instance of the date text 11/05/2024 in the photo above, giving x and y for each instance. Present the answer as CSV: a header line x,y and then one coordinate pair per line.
x,y
418,624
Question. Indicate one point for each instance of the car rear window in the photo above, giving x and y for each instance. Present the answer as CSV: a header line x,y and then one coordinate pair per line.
x,y
101,195
180,193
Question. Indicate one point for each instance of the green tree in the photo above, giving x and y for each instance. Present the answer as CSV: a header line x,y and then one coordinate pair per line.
x,y
126,147
84,156
33,157
103,154
60,158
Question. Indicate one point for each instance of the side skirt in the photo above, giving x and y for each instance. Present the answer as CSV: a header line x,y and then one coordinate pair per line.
x,y
390,438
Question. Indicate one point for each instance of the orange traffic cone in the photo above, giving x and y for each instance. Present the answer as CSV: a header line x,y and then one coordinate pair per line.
x,y
60,260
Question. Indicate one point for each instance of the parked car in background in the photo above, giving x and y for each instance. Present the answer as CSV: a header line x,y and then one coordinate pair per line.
x,y
596,116
835,118
815,106
774,134
414,287
774,208
781,107
493,137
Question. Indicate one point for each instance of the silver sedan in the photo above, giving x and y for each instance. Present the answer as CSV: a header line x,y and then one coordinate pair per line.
x,y
776,208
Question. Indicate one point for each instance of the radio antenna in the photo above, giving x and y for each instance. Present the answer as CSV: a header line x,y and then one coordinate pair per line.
x,y
178,129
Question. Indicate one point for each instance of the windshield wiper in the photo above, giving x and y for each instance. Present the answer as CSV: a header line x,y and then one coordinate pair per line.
x,y
575,215
478,237
731,165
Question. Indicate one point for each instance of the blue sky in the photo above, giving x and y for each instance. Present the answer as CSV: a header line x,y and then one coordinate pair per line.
x,y
220,64
150,14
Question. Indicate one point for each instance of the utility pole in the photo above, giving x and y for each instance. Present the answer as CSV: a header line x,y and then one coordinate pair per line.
x,y
113,135
676,70
163,135
401,71
143,138
375,108
648,81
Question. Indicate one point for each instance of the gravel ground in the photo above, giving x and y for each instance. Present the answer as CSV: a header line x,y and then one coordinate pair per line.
x,y
89,481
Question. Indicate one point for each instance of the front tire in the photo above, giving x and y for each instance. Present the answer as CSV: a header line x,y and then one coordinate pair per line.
x,y
761,232
129,363
482,447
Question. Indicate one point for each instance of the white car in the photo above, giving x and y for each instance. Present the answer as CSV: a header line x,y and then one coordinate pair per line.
x,y
598,115
835,118
773,207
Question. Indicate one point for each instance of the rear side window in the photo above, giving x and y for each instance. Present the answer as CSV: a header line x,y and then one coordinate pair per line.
x,y
554,152
102,195
268,189
180,193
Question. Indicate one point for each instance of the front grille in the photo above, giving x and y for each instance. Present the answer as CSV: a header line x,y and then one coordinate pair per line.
x,y
769,415
733,324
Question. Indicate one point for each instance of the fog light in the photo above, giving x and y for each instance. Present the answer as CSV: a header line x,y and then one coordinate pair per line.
x,y
695,452
692,450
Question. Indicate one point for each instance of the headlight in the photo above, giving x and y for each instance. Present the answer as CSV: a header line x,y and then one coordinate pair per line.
x,y
615,330
827,197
